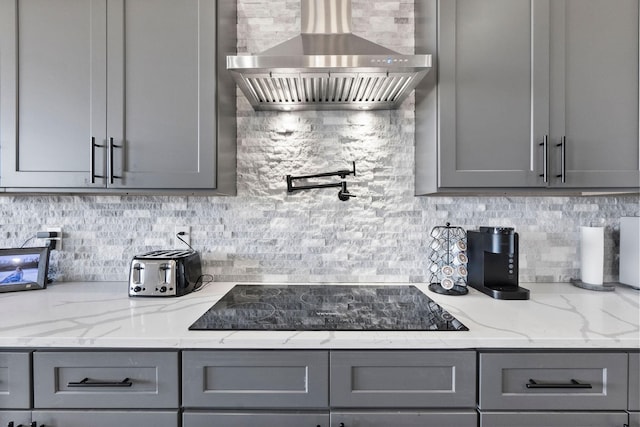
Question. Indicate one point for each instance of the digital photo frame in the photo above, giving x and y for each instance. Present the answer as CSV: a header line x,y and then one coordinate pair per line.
x,y
23,269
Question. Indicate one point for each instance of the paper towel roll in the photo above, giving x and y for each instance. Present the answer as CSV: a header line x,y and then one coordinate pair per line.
x,y
592,255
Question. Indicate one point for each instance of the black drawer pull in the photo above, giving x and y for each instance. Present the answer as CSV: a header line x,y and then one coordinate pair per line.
x,y
86,382
572,384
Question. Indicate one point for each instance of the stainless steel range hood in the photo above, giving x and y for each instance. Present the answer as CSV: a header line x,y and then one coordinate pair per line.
x,y
327,67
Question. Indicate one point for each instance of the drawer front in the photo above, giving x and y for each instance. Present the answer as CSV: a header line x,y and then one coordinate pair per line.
x,y
634,382
15,380
541,381
247,419
255,379
467,418
542,419
106,418
634,419
15,417
403,379
106,379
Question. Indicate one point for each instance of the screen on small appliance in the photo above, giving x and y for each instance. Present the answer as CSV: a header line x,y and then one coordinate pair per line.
x,y
19,268
23,269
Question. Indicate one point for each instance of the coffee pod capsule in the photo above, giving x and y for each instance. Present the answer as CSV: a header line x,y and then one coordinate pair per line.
x,y
434,268
462,271
447,283
447,270
460,259
459,246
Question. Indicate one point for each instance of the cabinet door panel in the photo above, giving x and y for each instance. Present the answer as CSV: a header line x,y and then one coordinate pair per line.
x,y
542,419
15,380
594,66
152,379
15,417
255,379
52,88
106,418
402,379
162,93
491,121
634,382
506,381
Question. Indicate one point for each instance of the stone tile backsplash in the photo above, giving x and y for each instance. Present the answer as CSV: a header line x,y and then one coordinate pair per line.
x,y
267,235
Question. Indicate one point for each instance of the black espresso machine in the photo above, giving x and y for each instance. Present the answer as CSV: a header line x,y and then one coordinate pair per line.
x,y
493,263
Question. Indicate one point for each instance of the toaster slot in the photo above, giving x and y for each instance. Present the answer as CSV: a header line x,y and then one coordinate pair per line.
x,y
138,273
164,273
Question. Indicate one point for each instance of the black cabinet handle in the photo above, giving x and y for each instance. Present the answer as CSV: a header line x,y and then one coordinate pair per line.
x,y
112,145
545,159
563,161
572,384
86,382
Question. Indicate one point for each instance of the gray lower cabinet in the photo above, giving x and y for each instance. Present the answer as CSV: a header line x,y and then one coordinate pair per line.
x,y
249,419
255,379
105,418
15,380
15,418
553,381
106,379
555,419
403,379
466,418
404,388
634,419
118,94
634,381
529,94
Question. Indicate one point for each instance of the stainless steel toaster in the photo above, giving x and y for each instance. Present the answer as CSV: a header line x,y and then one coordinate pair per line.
x,y
164,273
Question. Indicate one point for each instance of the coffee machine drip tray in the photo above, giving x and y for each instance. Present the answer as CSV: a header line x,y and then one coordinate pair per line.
x,y
327,307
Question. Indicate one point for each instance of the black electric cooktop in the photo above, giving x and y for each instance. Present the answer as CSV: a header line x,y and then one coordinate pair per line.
x,y
327,307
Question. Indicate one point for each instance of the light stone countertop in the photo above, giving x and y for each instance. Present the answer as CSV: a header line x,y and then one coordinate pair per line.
x,y
99,315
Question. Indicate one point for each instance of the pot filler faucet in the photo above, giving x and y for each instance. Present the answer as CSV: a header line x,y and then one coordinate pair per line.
x,y
343,194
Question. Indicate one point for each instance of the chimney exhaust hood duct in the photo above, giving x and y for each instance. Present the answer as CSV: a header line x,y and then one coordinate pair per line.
x,y
327,67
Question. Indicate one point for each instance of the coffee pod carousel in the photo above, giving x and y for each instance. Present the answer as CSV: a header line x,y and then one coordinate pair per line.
x,y
448,258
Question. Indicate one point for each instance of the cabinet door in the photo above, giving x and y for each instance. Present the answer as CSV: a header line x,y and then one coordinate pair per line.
x,y
106,418
594,93
404,419
162,94
634,382
553,381
15,380
493,92
255,379
634,419
52,92
403,379
15,417
545,419
256,419
106,379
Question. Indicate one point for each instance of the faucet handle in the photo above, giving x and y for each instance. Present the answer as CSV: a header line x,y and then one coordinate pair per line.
x,y
344,194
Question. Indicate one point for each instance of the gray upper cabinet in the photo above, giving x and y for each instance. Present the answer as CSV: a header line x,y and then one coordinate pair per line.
x,y
594,93
117,95
491,53
528,94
